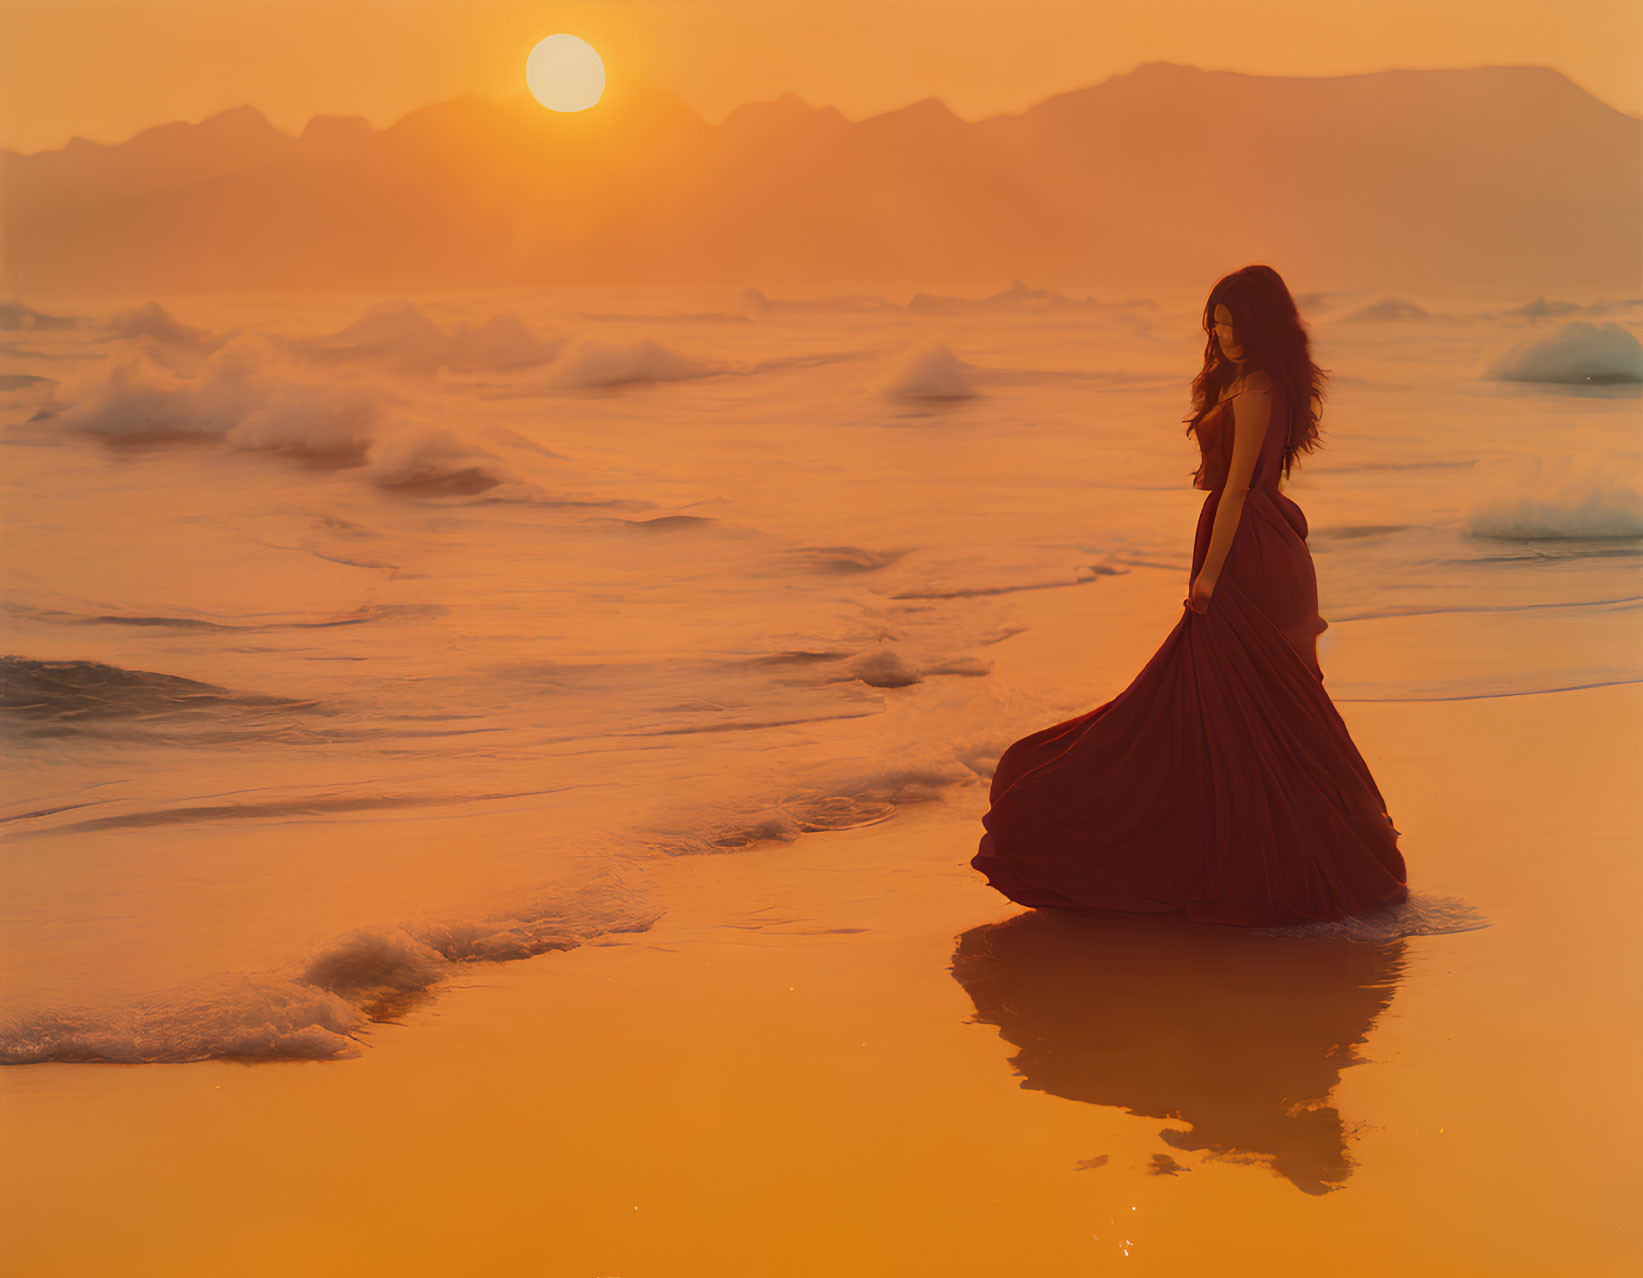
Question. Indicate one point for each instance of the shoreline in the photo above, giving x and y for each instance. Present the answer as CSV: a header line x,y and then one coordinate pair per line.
x,y
784,1075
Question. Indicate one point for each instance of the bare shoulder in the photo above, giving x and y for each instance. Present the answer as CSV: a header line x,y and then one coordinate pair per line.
x,y
1254,406
1258,381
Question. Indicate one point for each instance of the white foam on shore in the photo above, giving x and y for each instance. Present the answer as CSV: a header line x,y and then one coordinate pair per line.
x,y
317,1009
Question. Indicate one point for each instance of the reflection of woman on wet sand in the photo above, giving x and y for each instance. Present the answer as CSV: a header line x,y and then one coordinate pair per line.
x,y
1240,1034
1221,784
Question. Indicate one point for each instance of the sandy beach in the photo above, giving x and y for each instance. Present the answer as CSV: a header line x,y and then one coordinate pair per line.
x,y
846,1054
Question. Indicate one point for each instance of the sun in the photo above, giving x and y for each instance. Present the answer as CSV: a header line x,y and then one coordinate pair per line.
x,y
564,73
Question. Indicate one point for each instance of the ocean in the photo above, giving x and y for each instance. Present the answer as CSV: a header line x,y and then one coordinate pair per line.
x,y
351,640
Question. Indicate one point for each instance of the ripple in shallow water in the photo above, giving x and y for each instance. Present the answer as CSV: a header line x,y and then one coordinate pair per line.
x,y
1422,914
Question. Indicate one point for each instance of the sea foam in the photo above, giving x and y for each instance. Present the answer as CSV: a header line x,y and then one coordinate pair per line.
x,y
1559,496
320,1008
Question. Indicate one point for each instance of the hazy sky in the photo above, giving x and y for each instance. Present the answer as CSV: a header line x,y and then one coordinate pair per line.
x,y
105,69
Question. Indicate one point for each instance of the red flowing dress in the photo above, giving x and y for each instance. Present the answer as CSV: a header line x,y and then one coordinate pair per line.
x,y
1222,784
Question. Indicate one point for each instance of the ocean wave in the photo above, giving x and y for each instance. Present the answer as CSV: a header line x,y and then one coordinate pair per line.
x,y
400,336
1018,299
1559,497
62,695
1443,692
435,463
299,804
755,301
843,802
365,614
844,560
24,381
1094,573
1578,352
589,363
320,1009
250,394
927,372
15,317
1540,308
44,700
1620,603
1355,532
1391,308
153,320
1554,551
822,359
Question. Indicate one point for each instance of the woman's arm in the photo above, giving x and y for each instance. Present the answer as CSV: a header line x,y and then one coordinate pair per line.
x,y
1251,411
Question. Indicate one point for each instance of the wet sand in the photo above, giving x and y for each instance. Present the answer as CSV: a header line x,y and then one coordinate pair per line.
x,y
848,1055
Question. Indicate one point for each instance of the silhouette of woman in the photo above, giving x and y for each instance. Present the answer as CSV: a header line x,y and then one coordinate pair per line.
x,y
1222,784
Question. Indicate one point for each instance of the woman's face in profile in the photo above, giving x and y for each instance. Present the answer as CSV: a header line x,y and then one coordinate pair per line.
x,y
1224,336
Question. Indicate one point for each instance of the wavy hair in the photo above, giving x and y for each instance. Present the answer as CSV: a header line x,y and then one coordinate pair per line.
x,y
1274,341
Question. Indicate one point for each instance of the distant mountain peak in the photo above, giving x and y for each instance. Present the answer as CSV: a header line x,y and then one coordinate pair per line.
x,y
335,127
243,123
926,111
244,116
780,112
788,103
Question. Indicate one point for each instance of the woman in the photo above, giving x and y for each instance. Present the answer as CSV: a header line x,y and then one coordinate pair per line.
x,y
1222,784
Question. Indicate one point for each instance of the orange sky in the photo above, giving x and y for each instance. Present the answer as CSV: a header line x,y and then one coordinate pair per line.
x,y
104,69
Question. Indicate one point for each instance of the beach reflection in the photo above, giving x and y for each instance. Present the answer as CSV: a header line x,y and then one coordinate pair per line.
x,y
1242,1035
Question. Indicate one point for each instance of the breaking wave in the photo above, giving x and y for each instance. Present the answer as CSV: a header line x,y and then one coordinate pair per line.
x,y
398,335
250,395
1579,351
1554,497
930,371
589,362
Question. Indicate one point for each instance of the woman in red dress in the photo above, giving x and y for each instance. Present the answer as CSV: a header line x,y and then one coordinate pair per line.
x,y
1222,784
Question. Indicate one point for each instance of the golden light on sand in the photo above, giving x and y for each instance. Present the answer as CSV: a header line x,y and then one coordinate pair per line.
x,y
565,73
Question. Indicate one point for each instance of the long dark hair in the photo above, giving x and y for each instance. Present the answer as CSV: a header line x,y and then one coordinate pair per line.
x,y
1274,341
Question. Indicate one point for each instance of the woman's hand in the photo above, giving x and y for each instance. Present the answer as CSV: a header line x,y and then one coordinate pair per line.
x,y
1198,596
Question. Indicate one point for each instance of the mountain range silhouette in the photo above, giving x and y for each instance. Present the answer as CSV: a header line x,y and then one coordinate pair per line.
x,y
1158,178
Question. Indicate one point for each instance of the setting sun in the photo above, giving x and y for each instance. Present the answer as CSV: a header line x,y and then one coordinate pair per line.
x,y
565,73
